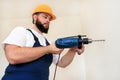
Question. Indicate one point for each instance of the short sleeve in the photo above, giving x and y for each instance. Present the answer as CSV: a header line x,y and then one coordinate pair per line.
x,y
16,37
55,58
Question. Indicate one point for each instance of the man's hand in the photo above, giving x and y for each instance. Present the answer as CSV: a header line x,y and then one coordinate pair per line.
x,y
53,49
79,51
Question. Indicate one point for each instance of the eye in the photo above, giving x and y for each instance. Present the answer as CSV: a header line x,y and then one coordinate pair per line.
x,y
45,17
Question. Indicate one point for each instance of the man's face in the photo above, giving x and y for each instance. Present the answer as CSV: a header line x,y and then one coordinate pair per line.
x,y
42,22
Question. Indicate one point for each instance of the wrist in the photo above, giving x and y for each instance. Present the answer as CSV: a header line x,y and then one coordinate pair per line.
x,y
72,50
47,49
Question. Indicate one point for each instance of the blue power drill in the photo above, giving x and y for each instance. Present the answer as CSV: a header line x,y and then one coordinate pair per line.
x,y
73,41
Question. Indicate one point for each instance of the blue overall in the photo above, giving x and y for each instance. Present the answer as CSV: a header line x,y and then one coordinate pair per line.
x,y
35,70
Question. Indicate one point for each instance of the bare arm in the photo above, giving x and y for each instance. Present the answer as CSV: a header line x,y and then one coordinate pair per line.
x,y
68,57
16,54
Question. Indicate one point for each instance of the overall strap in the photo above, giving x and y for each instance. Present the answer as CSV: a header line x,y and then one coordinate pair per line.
x,y
47,43
35,38
37,41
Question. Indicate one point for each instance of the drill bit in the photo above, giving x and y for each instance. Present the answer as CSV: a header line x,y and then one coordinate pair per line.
x,y
90,40
98,40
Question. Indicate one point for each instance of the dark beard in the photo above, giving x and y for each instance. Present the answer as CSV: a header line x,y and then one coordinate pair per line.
x,y
41,27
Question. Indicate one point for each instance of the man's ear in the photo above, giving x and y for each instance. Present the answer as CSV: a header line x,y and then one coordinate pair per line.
x,y
34,18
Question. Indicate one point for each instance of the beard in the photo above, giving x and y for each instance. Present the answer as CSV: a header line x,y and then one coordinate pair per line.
x,y
40,26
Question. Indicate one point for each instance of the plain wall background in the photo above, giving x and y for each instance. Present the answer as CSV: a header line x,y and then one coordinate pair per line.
x,y
98,19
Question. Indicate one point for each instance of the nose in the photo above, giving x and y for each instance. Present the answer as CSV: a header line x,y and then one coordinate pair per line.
x,y
48,20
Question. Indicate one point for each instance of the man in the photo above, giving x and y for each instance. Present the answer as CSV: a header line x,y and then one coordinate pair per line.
x,y
29,53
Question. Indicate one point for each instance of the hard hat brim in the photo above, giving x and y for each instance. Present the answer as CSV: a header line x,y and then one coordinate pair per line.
x,y
52,15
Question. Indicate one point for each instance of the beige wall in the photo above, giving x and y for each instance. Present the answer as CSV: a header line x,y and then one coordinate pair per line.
x,y
98,19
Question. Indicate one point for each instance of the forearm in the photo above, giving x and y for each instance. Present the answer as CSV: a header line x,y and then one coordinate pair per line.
x,y
67,58
17,55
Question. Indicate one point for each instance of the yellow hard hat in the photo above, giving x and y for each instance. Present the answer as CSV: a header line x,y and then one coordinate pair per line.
x,y
46,9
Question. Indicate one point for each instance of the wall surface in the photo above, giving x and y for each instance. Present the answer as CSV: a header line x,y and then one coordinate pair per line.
x,y
101,20
98,19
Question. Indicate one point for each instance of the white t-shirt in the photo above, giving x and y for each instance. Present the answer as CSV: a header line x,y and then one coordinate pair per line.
x,y
24,38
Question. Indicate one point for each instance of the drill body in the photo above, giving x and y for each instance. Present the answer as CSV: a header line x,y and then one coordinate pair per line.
x,y
73,41
67,42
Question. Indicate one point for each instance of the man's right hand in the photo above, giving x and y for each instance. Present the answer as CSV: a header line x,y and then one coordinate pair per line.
x,y
53,49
